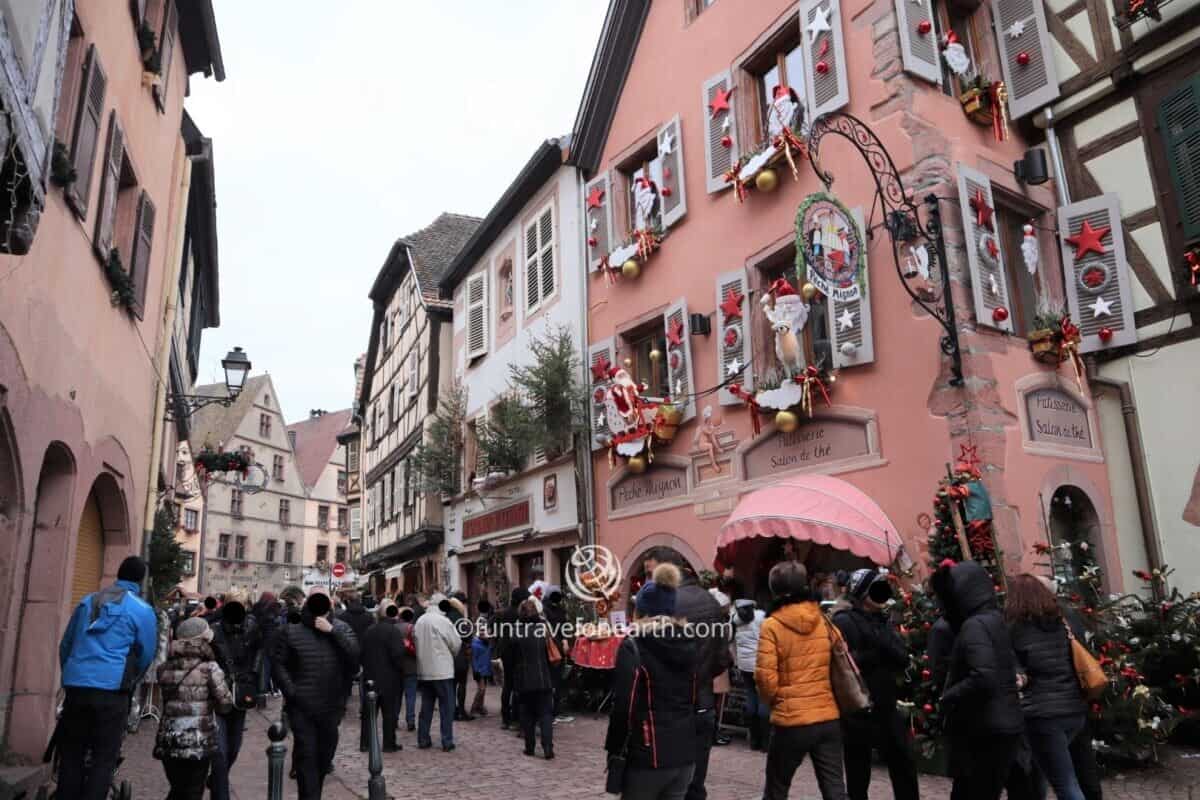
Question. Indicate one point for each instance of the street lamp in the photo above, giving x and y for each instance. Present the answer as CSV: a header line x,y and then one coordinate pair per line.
x,y
236,365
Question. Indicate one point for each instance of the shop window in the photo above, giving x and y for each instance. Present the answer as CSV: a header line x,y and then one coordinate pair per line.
x,y
646,345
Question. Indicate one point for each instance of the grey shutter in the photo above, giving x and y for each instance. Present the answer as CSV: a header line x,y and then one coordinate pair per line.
x,y
599,221
1034,84
717,157
547,246
86,135
1179,126
139,259
533,292
919,51
166,50
1100,212
477,320
679,370
671,188
601,351
859,333
831,90
739,346
982,274
110,184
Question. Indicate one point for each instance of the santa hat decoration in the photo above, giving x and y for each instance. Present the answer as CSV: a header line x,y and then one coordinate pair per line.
x,y
955,54
780,288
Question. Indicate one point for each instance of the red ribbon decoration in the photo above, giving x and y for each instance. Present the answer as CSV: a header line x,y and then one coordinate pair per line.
x,y
647,243
731,176
810,376
1068,348
737,391
999,97
787,142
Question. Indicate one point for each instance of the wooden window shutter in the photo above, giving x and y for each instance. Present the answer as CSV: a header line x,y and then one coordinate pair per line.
x,y
533,293
1035,83
733,334
86,135
477,317
546,245
166,51
413,373
985,256
600,358
918,40
679,358
1098,284
110,184
717,126
850,321
828,86
672,194
597,206
1179,124
143,245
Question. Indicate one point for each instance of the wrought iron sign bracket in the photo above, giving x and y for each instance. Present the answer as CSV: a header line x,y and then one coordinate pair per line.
x,y
902,218
183,406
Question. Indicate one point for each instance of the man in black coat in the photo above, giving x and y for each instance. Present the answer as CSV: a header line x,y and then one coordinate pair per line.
x,y
701,609
980,701
314,662
383,660
237,644
505,624
881,656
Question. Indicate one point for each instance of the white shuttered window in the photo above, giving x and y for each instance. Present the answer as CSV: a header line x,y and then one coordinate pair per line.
x,y
539,259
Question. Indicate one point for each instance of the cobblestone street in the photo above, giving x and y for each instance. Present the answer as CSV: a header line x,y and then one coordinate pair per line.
x,y
488,764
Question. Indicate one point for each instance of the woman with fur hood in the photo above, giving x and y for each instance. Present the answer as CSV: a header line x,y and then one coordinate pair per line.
x,y
194,690
653,721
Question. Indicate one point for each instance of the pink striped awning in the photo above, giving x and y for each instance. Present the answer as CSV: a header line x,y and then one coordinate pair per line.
x,y
817,509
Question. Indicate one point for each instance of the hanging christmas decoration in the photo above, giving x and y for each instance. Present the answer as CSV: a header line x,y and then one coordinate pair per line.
x,y
1016,29
989,249
1030,251
819,23
1088,240
788,314
955,55
822,67
1105,334
983,211
1192,259
1101,308
631,269
766,181
786,421
1023,58
636,464
731,305
720,101
999,314
999,95
924,27
733,338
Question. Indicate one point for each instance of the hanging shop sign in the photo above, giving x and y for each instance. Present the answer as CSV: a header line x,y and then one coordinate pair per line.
x,y
830,253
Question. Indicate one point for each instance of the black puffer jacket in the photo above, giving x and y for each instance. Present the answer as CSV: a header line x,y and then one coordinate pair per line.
x,y
383,657
532,660
238,649
699,607
877,649
653,688
1044,655
358,618
314,669
980,698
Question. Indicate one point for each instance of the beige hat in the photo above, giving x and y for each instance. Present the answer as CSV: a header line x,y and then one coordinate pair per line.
x,y
381,610
194,628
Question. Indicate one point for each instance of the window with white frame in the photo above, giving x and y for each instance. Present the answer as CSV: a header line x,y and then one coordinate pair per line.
x,y
539,259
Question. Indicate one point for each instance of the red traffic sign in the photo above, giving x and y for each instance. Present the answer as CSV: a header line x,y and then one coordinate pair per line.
x,y
339,570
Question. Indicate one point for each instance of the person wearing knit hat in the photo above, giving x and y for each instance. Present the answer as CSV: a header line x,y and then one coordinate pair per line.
x,y
383,660
653,723
237,642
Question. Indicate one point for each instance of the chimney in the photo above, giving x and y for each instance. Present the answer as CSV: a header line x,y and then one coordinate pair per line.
x,y
316,413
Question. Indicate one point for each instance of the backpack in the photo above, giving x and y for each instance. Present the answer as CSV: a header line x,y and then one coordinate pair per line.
x,y
410,644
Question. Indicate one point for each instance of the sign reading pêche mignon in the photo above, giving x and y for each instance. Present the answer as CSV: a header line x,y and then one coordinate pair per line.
x,y
660,482
815,443
1057,418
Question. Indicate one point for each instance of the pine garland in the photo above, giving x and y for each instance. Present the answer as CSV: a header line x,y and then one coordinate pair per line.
x,y
123,292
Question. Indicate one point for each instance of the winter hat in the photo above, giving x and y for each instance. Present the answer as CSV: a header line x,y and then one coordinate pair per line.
x,y
382,609
132,569
860,581
194,628
657,598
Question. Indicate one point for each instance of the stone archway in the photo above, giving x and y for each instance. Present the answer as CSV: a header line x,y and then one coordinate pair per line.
x,y
12,513
631,566
1075,533
114,515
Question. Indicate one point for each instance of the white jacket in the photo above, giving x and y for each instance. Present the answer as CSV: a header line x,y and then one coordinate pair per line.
x,y
437,643
745,638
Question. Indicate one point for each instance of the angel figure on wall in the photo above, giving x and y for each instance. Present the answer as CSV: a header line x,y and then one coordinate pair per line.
x,y
707,437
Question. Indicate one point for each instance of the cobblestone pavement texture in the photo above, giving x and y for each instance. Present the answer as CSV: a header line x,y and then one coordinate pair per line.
x,y
488,763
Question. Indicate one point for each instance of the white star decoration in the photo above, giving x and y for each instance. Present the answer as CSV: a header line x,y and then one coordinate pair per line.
x,y
995,285
733,367
1101,308
678,389
667,145
846,320
1016,29
600,421
819,23
726,123
595,223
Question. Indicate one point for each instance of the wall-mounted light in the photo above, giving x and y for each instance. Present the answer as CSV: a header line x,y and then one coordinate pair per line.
x,y
236,365
699,325
1032,168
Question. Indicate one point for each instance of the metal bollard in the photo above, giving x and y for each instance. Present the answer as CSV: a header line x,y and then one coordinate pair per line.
x,y
376,786
276,753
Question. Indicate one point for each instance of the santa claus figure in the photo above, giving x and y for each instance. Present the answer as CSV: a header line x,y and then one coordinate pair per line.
x,y
785,112
788,314
623,402
955,55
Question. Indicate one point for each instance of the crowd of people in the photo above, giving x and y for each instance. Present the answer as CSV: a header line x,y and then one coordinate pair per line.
x,y
1015,715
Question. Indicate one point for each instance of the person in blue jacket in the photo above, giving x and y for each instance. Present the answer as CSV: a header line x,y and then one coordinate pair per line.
x,y
108,645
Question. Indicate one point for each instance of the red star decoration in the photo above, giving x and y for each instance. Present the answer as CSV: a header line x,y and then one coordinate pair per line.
x,y
600,369
720,101
983,212
969,454
731,306
1088,240
992,248
675,333
595,197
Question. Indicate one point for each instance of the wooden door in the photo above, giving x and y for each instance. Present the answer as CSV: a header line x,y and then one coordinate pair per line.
x,y
89,552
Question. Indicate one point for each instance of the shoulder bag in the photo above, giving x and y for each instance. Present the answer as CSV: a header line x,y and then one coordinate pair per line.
x,y
849,688
1092,679
614,779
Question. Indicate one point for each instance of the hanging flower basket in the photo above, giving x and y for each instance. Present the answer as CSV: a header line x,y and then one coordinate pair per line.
x,y
210,461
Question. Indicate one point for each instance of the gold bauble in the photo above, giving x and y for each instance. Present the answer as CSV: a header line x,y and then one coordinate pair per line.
x,y
786,421
767,180
636,464
656,355
628,362
808,292
631,269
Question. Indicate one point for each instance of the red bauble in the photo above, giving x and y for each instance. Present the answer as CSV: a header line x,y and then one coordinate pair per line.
x,y
727,141
666,172
927,708
1023,58
822,68
999,314
926,626
926,674
1105,334
666,191
592,241
924,27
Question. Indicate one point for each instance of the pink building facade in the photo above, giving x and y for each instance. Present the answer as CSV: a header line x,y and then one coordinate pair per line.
x,y
79,378
683,92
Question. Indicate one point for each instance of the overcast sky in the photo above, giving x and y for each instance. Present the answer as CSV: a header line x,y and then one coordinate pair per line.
x,y
336,133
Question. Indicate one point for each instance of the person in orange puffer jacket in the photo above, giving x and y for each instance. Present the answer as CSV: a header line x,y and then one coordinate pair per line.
x,y
792,676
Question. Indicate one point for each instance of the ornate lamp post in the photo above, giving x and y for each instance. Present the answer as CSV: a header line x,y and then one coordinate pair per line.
x,y
236,366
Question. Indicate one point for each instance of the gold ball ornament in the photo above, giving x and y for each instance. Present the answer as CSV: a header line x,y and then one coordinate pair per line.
x,y
628,362
766,180
636,464
656,355
808,292
786,421
631,269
